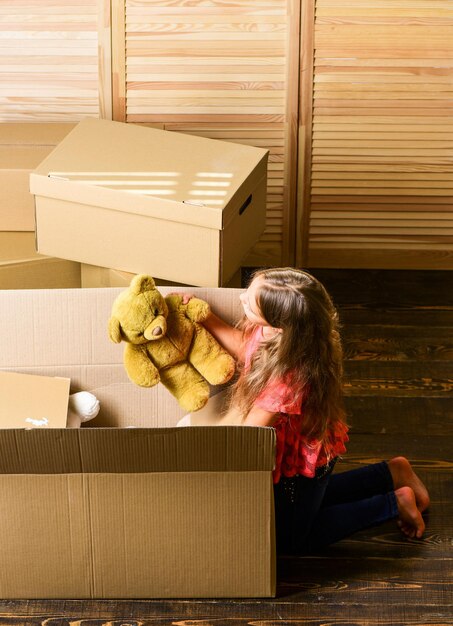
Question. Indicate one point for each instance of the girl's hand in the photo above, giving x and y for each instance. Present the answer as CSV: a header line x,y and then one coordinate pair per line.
x,y
186,297
228,336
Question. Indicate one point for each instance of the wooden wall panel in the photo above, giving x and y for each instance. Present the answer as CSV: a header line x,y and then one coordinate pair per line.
x,y
381,174
49,60
226,70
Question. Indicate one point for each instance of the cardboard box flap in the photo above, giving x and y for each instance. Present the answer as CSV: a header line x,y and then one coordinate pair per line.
x,y
111,450
29,401
125,167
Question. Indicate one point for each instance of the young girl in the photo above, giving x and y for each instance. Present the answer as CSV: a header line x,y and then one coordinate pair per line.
x,y
290,358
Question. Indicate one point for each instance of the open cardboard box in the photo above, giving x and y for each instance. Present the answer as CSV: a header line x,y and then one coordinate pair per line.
x,y
109,511
185,209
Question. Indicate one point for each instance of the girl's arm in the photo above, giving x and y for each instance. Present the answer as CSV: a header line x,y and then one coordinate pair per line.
x,y
228,336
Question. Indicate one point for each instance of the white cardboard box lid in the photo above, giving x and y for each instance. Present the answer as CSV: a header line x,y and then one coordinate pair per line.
x,y
30,401
148,171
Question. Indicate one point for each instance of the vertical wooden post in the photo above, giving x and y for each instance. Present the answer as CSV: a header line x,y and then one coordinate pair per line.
x,y
118,16
291,134
305,130
105,59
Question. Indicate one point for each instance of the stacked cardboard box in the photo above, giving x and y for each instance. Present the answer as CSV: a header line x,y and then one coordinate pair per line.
x,y
181,208
21,267
95,276
22,148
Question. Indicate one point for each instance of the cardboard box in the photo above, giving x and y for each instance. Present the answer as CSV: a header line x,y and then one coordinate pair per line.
x,y
113,512
21,267
28,401
141,200
22,148
95,276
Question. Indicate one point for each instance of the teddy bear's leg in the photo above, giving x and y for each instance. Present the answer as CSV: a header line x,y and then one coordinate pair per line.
x,y
209,358
187,385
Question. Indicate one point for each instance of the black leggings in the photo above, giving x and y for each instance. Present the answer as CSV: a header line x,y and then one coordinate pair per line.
x,y
312,513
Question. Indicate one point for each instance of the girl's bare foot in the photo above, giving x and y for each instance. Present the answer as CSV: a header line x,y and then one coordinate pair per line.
x,y
410,519
404,476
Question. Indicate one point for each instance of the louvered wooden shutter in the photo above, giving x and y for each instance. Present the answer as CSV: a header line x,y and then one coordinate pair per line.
x,y
48,60
225,70
382,135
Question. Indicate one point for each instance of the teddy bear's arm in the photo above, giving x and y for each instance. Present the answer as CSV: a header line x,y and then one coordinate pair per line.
x,y
197,310
138,366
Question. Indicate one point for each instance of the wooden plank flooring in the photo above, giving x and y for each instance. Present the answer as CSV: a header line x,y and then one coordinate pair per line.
x,y
397,329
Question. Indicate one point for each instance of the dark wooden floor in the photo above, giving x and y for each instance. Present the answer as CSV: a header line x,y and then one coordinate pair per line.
x,y
397,329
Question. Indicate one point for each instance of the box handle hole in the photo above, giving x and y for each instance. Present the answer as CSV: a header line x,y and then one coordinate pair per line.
x,y
245,205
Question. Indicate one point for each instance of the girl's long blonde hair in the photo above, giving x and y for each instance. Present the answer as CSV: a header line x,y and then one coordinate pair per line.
x,y
306,352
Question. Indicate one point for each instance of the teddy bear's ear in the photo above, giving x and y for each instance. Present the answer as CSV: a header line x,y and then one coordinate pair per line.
x,y
141,283
114,328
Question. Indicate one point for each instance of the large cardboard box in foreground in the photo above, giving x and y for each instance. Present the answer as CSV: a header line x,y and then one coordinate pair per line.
x,y
115,512
22,148
182,208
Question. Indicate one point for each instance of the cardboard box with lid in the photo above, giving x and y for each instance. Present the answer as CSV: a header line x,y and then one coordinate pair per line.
x,y
110,511
182,208
22,148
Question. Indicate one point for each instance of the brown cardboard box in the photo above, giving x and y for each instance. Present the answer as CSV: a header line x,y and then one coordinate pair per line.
x,y
22,148
28,401
22,268
114,512
141,200
95,276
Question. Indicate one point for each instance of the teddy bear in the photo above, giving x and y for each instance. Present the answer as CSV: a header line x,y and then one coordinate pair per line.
x,y
166,342
83,406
